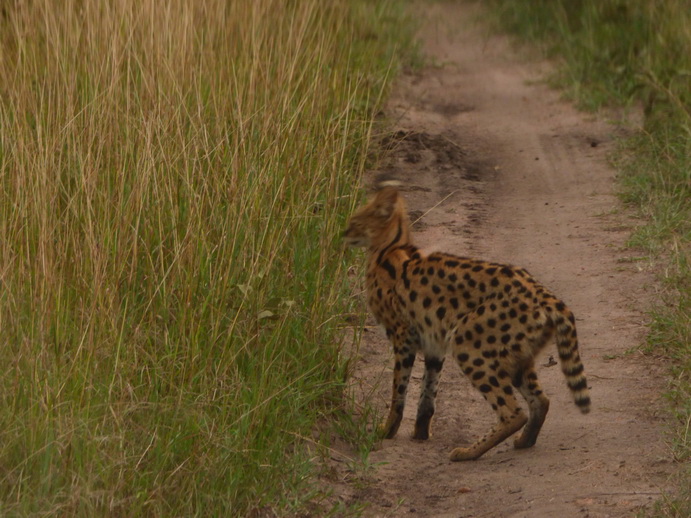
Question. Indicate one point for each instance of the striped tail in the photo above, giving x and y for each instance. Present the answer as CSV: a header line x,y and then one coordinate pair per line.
x,y
571,365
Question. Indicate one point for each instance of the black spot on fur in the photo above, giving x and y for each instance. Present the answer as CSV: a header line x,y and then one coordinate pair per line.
x,y
389,269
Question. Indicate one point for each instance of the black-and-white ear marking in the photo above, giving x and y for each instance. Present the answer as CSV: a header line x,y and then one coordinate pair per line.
x,y
388,183
385,201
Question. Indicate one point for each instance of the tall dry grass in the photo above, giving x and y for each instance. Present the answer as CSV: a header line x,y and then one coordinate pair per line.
x,y
173,181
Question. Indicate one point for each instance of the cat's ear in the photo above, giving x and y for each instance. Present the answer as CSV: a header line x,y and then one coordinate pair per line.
x,y
385,201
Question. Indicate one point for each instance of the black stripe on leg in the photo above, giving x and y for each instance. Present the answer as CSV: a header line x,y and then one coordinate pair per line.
x,y
434,364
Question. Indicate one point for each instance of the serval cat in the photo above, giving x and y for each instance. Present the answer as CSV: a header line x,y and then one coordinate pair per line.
x,y
494,317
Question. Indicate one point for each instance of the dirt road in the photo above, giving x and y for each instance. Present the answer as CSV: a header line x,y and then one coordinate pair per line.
x,y
499,167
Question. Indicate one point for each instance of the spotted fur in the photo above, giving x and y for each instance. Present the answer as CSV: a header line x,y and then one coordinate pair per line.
x,y
495,318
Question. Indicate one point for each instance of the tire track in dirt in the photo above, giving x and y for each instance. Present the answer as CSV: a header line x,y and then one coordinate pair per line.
x,y
503,170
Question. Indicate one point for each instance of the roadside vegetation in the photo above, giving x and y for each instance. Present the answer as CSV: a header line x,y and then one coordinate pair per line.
x,y
637,53
174,178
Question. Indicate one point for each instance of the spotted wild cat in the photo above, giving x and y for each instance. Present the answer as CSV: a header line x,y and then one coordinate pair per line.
x,y
495,319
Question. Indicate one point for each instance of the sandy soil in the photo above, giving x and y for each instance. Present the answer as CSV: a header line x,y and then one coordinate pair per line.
x,y
498,167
